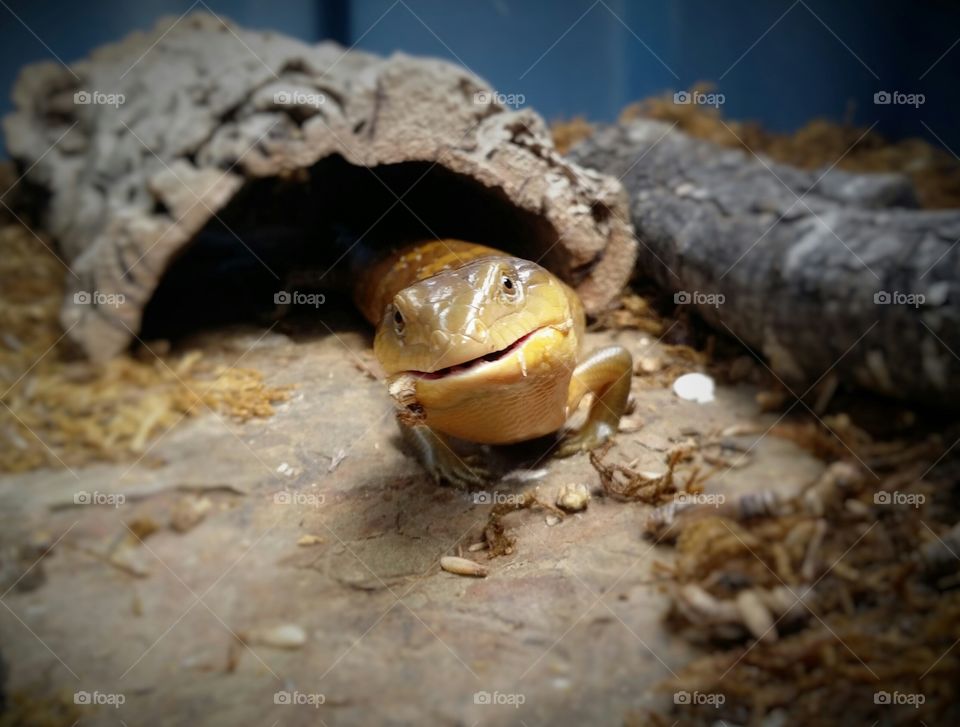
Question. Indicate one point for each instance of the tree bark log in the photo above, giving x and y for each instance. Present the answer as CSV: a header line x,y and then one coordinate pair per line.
x,y
822,272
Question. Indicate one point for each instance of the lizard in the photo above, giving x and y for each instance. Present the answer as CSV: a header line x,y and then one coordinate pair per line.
x,y
483,346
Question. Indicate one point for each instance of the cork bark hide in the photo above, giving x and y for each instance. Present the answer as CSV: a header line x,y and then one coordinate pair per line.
x,y
185,118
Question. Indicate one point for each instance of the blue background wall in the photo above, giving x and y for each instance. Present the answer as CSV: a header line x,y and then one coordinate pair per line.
x,y
778,61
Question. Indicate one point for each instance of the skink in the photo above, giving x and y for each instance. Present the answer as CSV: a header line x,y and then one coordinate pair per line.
x,y
483,346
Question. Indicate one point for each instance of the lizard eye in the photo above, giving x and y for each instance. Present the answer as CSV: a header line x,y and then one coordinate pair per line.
x,y
398,322
508,286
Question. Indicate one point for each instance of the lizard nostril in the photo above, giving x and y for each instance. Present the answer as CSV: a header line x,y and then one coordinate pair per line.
x,y
476,330
439,339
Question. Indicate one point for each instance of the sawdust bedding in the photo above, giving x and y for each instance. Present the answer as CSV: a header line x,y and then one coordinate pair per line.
x,y
60,410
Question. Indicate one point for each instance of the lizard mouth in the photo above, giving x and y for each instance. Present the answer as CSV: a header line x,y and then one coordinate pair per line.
x,y
475,363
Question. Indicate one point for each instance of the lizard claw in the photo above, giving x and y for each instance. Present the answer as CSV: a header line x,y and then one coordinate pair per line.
x,y
438,458
590,436
461,472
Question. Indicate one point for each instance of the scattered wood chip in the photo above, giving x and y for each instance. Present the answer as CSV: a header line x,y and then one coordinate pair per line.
x,y
624,483
143,527
125,559
188,512
573,497
336,459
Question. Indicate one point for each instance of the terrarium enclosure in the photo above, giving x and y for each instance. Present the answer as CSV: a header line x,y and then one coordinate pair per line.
x,y
209,514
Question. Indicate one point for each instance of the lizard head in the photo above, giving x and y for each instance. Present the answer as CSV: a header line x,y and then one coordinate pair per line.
x,y
460,319
461,345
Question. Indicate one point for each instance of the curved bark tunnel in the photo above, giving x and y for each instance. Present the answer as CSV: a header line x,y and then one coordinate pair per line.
x,y
296,233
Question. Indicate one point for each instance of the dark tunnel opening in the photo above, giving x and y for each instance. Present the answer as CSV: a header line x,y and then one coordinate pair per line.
x,y
308,231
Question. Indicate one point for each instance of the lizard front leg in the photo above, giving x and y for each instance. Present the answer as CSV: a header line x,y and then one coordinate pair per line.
x,y
434,452
606,373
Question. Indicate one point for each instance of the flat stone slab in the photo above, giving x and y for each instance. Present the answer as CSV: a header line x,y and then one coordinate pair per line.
x,y
315,568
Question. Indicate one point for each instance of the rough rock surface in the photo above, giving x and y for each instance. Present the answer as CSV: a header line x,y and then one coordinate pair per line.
x,y
824,272
144,143
319,521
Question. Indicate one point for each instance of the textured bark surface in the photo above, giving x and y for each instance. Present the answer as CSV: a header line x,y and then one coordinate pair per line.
x,y
819,271
199,109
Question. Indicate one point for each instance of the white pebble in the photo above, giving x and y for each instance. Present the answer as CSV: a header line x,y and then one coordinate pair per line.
x,y
694,387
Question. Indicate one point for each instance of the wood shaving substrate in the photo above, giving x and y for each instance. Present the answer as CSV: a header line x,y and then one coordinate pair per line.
x,y
59,411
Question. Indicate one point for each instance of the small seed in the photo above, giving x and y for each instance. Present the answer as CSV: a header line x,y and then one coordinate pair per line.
x,y
283,636
462,567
